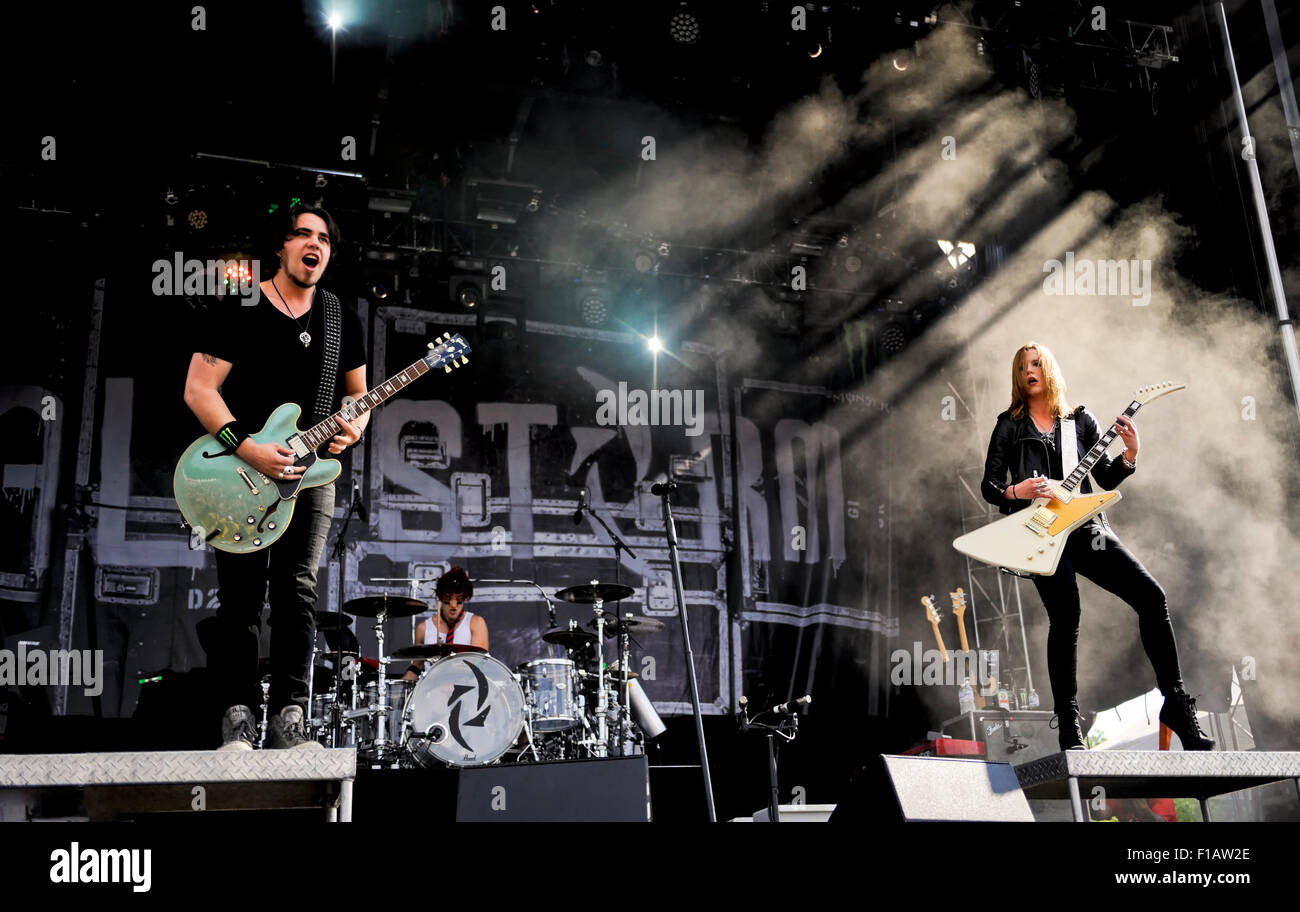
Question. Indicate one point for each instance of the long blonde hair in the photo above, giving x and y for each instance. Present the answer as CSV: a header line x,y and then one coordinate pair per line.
x,y
1052,378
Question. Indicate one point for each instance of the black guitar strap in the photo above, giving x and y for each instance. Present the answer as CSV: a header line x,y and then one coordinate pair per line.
x,y
329,357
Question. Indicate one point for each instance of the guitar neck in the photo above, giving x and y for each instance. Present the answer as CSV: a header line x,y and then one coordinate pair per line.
x,y
318,434
1088,461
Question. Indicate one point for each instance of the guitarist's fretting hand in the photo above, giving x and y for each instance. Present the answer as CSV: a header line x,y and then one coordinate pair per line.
x,y
271,459
1128,432
346,438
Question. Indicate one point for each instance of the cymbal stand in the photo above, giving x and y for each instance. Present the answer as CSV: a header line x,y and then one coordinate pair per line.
x,y
266,708
602,702
381,690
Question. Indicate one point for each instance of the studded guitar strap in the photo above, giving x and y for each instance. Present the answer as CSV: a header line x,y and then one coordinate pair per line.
x,y
329,358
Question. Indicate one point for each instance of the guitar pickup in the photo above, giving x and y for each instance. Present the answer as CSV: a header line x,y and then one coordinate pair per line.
x,y
298,447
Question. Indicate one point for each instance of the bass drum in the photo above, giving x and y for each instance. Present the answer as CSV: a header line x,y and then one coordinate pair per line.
x,y
466,710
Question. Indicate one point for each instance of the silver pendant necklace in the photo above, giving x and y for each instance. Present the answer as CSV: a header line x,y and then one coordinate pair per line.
x,y
304,337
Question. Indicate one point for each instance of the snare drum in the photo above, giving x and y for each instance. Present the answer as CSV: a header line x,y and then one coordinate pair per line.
x,y
399,691
551,694
466,710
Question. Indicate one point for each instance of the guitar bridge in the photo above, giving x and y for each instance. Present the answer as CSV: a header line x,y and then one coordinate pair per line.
x,y
248,481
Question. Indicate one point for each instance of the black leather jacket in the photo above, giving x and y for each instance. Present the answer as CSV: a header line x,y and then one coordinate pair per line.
x,y
1015,447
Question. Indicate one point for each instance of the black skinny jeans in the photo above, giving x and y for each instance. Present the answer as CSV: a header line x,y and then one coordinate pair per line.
x,y
288,569
1115,569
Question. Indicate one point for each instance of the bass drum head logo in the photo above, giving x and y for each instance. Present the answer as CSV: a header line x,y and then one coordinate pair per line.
x,y
476,701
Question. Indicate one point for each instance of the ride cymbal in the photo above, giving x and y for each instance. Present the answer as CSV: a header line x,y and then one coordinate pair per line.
x,y
396,606
600,592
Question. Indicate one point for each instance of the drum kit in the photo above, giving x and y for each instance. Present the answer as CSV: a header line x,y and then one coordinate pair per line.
x,y
467,708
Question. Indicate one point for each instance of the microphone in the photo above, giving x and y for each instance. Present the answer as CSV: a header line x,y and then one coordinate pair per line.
x,y
665,487
435,733
360,505
742,706
582,505
792,706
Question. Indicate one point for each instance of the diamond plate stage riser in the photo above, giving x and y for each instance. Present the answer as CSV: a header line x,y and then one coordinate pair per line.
x,y
174,767
1212,772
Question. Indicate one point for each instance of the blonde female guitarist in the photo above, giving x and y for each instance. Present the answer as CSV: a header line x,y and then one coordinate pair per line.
x,y
1024,455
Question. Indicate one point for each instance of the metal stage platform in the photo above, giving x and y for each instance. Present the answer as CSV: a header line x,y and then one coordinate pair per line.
x,y
112,784
1154,774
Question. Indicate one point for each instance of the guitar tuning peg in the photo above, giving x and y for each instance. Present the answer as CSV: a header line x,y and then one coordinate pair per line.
x,y
430,346
464,359
447,368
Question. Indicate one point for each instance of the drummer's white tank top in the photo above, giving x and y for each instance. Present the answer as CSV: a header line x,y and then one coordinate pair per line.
x,y
460,635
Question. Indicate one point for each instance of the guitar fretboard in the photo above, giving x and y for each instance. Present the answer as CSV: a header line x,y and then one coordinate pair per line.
x,y
1088,461
316,435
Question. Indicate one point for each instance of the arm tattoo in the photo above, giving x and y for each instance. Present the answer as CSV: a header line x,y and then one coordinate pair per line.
x,y
209,359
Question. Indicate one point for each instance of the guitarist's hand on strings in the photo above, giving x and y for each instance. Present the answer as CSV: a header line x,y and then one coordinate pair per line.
x,y
1128,432
1031,488
271,459
347,436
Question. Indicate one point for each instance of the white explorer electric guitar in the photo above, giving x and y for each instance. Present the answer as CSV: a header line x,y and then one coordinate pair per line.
x,y
1030,541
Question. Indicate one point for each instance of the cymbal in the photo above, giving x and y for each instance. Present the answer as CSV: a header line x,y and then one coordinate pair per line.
x,y
634,624
570,639
589,594
397,606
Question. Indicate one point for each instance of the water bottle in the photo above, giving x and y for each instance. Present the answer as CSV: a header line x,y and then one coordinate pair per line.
x,y
1004,702
966,698
1033,698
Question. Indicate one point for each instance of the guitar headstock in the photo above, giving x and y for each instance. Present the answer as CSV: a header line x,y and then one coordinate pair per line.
x,y
958,601
932,613
444,350
1150,393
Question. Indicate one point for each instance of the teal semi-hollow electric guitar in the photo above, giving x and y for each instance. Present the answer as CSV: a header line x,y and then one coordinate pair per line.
x,y
232,506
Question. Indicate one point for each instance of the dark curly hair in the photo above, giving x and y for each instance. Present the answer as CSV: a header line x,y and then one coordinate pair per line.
x,y
282,226
454,582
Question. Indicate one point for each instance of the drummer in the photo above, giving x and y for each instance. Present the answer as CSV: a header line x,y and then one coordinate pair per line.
x,y
451,623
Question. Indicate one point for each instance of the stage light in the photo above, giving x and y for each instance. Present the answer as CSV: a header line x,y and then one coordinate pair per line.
x,y
467,294
171,199
594,310
654,344
958,253
815,50
892,338
664,250
198,218
594,58
900,64
852,263
335,21
644,261
379,291
684,27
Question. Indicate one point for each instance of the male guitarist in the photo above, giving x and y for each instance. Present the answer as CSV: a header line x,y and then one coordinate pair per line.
x,y
1027,445
296,344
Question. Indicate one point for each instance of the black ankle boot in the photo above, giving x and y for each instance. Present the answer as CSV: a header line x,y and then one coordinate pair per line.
x,y
1070,728
1179,713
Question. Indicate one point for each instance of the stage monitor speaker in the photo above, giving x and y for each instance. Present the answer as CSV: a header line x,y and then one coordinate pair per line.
x,y
944,788
613,790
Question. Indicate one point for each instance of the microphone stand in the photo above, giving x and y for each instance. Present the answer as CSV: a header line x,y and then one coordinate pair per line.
x,y
664,490
788,729
337,554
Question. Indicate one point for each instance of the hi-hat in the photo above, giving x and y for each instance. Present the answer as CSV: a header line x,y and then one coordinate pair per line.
x,y
633,624
570,638
589,594
396,606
